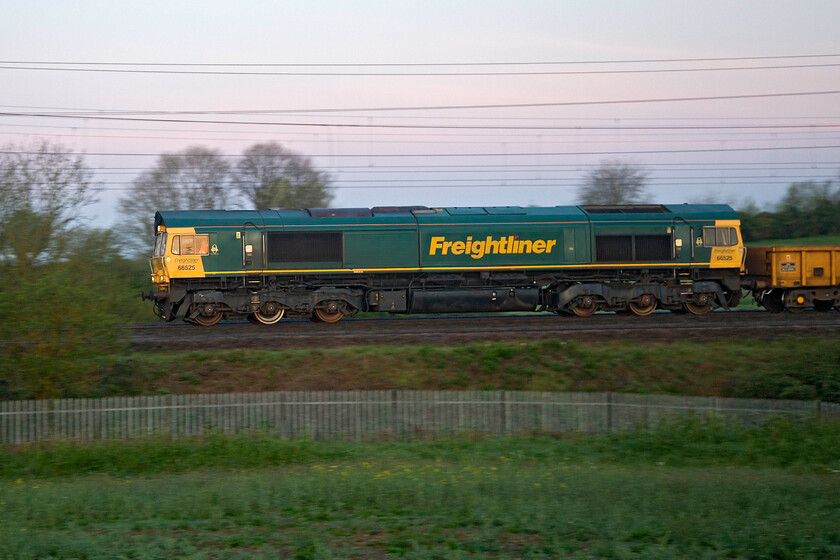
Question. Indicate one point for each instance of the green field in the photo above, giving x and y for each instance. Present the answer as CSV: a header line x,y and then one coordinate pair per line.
x,y
685,490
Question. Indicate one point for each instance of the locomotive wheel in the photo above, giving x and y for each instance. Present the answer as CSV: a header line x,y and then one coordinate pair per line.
x,y
796,310
584,306
330,313
326,317
269,314
644,307
823,306
697,308
208,320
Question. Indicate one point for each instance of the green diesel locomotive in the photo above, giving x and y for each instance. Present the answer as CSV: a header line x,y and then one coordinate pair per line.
x,y
329,263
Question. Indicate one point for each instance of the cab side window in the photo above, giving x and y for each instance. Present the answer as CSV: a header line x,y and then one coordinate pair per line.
x,y
160,244
720,236
202,245
191,244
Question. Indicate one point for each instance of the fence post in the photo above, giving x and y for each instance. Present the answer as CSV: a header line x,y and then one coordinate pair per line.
x,y
503,411
394,411
609,411
715,409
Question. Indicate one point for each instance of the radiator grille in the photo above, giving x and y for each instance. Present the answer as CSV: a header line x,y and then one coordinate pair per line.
x,y
653,247
306,246
632,248
614,248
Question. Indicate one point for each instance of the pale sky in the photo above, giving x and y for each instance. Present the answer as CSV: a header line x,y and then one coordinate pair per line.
x,y
711,147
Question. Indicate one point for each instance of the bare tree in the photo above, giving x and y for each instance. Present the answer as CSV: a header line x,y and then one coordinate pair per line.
x,y
43,189
614,182
197,178
270,176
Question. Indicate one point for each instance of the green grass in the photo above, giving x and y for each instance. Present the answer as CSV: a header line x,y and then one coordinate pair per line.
x,y
428,511
686,490
689,442
790,367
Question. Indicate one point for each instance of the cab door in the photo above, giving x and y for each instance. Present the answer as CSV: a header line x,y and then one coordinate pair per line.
x,y
253,248
683,242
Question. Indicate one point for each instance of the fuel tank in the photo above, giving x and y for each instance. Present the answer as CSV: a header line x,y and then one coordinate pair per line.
x,y
474,300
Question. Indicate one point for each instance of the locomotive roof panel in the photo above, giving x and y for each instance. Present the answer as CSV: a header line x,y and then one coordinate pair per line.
x,y
703,211
208,218
625,209
660,212
337,218
414,215
482,214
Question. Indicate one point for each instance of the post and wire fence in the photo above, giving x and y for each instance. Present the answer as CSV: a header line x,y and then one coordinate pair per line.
x,y
356,415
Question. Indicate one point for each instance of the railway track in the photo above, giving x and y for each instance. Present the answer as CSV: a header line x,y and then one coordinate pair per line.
x,y
461,329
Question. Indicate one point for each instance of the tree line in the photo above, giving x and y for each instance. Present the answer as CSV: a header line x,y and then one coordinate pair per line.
x,y
808,209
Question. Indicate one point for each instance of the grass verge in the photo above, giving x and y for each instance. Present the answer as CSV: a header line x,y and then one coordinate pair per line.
x,y
792,367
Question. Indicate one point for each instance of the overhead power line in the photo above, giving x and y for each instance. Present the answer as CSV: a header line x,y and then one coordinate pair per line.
x,y
425,108
409,74
415,64
181,67
506,184
662,129
512,180
466,155
545,141
520,168
88,111
104,114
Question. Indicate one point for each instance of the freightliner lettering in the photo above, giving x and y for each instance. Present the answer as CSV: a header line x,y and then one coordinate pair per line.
x,y
507,245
